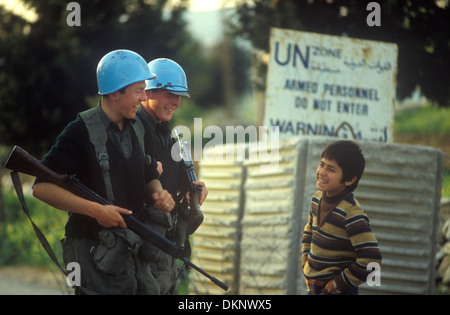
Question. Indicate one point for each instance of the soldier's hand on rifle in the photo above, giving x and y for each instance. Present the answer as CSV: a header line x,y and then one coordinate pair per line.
x,y
163,201
159,197
110,216
60,198
203,193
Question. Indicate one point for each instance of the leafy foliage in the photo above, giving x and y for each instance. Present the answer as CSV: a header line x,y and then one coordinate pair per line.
x,y
426,120
47,68
19,244
420,28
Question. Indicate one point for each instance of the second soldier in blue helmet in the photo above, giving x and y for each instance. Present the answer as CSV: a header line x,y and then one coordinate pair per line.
x,y
163,98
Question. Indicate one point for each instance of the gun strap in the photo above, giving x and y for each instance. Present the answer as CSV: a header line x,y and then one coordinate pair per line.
x,y
18,188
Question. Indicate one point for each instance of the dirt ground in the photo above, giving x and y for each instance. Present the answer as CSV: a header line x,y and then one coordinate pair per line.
x,y
25,280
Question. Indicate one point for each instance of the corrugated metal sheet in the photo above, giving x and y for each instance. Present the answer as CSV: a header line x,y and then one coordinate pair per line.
x,y
400,191
270,225
216,242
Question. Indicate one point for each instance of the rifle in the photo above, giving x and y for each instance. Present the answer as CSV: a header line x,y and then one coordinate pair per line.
x,y
21,161
195,217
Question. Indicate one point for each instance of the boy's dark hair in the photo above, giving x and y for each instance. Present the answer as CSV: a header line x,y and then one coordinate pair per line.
x,y
350,159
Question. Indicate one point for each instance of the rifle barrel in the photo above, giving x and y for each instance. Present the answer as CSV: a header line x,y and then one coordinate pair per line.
x,y
207,275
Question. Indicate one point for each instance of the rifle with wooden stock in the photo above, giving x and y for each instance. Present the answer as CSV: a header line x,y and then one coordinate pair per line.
x,y
21,161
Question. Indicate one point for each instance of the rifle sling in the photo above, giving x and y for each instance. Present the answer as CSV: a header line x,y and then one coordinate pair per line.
x,y
98,136
18,188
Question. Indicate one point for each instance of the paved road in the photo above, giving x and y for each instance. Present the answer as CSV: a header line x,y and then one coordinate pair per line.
x,y
30,281
10,286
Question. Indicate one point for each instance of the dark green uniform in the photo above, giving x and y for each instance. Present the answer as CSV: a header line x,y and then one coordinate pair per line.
x,y
159,143
109,260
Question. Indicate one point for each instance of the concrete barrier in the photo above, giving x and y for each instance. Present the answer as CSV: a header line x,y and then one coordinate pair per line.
x,y
254,217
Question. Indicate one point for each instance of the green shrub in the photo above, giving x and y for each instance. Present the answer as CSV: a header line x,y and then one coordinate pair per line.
x,y
19,244
425,120
446,184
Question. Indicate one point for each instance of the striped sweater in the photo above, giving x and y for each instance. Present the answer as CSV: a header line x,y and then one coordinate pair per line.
x,y
341,248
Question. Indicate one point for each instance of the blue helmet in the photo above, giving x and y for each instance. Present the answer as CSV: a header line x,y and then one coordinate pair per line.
x,y
170,76
120,68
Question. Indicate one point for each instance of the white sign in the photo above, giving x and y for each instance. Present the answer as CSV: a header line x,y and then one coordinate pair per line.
x,y
329,85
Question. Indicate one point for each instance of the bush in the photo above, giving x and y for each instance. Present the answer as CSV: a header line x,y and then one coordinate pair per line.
x,y
19,243
430,119
446,184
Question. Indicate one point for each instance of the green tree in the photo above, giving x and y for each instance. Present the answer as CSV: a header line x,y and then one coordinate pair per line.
x,y
47,68
420,28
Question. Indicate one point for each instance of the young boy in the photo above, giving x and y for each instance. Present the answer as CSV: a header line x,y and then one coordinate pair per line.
x,y
338,243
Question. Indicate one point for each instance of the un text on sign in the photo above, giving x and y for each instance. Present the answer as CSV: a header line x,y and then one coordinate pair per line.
x,y
330,85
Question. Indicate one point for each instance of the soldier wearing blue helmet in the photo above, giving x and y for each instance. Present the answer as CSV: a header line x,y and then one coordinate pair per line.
x,y
120,68
102,147
170,76
163,98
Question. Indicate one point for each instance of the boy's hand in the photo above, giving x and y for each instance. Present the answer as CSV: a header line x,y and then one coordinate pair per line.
x,y
330,287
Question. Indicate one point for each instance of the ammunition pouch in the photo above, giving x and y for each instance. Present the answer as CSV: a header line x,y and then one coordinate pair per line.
x,y
158,221
114,248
